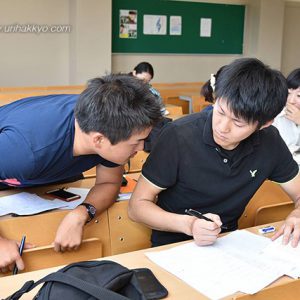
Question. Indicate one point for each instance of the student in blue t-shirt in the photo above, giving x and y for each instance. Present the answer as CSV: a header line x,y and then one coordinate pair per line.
x,y
49,138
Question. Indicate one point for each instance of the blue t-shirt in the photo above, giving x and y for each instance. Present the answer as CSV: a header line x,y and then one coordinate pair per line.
x,y
36,141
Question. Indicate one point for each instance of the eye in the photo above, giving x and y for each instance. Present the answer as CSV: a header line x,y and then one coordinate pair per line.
x,y
239,124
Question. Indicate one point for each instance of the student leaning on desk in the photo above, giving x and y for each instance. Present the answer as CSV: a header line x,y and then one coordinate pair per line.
x,y
214,161
50,138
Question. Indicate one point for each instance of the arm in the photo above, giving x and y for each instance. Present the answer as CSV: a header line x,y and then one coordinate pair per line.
x,y
292,222
142,208
102,196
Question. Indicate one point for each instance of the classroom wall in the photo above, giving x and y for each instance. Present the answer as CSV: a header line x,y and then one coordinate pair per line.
x,y
291,38
74,57
28,59
262,38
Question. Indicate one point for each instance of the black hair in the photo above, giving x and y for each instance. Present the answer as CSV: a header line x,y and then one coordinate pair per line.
x,y
293,80
144,67
117,106
207,90
252,90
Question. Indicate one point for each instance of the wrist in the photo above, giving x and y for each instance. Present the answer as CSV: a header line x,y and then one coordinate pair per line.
x,y
90,210
81,215
189,224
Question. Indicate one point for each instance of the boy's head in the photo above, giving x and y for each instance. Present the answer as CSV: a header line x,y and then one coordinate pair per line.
x,y
249,96
143,71
252,91
117,106
293,82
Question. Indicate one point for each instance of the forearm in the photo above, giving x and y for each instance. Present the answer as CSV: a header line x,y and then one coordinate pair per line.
x,y
148,213
102,196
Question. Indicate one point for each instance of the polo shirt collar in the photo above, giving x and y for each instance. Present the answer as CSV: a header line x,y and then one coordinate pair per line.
x,y
244,148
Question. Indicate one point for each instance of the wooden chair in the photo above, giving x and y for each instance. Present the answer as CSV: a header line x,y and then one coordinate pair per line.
x,y
273,213
269,193
174,100
174,109
199,103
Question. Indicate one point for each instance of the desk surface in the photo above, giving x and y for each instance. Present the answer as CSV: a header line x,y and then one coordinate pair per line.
x,y
177,288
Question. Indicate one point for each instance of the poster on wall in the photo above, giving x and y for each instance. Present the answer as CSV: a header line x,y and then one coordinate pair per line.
x,y
128,24
175,25
205,27
154,24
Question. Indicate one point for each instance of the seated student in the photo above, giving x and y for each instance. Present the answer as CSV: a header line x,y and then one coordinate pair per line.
x,y
288,121
145,72
208,89
48,138
214,161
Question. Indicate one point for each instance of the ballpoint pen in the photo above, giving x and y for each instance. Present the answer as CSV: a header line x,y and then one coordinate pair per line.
x,y
199,215
22,244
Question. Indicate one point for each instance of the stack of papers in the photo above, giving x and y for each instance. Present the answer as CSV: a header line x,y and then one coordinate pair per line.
x,y
240,261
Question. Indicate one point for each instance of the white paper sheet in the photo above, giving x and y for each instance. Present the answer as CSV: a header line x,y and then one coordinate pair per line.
x,y
234,263
287,254
27,204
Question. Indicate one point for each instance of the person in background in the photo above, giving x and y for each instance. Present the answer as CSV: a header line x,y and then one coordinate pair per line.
x,y
214,161
288,121
46,139
145,72
208,89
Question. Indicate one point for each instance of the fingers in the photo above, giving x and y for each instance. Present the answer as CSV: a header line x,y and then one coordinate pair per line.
x,y
29,246
278,233
288,231
296,237
58,247
205,232
20,263
215,218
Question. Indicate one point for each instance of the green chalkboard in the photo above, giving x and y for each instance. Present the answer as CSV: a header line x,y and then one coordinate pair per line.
x,y
227,27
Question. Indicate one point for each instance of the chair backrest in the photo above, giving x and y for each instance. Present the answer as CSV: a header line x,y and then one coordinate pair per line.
x,y
273,213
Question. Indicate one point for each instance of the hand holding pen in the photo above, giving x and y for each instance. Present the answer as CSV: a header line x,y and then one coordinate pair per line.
x,y
205,233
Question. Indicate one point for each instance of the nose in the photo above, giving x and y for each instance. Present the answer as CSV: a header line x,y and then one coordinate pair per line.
x,y
224,125
291,98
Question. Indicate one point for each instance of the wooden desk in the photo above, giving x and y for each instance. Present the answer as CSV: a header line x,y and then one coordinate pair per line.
x,y
109,233
284,288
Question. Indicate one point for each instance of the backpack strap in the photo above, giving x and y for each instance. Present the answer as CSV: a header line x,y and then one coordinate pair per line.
x,y
95,291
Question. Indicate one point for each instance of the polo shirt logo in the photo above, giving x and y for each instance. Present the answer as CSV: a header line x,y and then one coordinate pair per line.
x,y
253,173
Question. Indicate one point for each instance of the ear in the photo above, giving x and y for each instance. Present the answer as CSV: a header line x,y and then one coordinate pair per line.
x,y
269,123
134,73
97,139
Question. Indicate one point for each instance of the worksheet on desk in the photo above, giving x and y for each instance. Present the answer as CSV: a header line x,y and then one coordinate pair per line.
x,y
27,204
234,263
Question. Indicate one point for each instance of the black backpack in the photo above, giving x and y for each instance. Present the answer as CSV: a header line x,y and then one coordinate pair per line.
x,y
105,280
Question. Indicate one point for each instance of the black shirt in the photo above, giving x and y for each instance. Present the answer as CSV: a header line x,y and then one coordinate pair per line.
x,y
197,173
